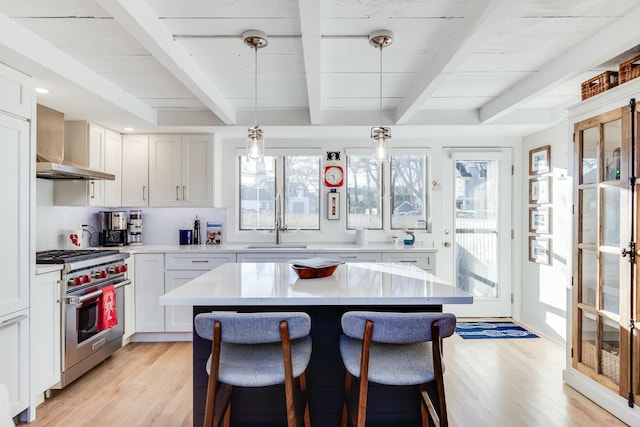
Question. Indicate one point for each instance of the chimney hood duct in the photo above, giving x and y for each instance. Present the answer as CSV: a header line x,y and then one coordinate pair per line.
x,y
50,162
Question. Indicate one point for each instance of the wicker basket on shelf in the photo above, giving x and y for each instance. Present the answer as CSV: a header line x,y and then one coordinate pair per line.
x,y
599,84
629,69
610,361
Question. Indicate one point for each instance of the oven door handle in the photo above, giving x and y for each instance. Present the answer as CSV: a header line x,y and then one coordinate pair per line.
x,y
83,298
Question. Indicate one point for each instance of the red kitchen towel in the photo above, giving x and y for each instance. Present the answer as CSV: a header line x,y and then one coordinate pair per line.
x,y
108,316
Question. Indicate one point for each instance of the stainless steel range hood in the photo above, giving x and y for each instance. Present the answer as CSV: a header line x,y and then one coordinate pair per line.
x,y
51,170
50,150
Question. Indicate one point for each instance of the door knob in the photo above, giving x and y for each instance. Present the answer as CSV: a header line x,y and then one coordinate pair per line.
x,y
447,244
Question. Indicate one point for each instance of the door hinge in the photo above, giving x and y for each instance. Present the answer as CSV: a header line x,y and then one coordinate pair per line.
x,y
511,298
573,209
513,234
513,168
574,138
572,281
631,251
572,352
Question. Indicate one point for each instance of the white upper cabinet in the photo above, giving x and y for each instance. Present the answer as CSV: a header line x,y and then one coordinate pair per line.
x,y
197,170
95,147
16,92
181,170
135,170
113,165
165,170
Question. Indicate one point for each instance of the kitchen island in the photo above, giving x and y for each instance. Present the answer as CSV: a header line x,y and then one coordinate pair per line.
x,y
275,287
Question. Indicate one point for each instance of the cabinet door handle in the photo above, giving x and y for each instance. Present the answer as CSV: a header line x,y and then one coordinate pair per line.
x,y
200,260
93,189
13,321
348,256
408,260
184,189
144,191
177,190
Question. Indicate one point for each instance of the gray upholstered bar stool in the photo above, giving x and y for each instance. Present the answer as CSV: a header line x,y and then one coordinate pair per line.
x,y
394,349
255,350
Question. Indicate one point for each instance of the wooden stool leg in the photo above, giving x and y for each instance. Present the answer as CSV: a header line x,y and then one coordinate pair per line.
x,y
303,389
345,408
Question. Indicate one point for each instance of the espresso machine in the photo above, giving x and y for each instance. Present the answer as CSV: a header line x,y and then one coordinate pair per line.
x,y
113,228
135,227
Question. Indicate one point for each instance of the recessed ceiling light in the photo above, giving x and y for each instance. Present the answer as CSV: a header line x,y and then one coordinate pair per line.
x,y
41,90
129,129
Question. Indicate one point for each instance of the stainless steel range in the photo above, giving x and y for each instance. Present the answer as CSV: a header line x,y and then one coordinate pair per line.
x,y
84,275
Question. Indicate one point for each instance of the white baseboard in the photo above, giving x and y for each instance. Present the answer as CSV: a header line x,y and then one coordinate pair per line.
x,y
161,336
602,396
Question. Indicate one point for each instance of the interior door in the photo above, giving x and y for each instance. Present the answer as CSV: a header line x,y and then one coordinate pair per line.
x,y
477,229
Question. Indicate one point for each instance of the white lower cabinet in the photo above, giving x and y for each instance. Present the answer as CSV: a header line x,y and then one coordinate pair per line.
x,y
179,269
425,261
157,274
178,318
45,335
130,301
149,280
14,336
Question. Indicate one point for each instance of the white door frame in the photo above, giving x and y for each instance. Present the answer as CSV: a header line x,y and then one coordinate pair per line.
x,y
502,305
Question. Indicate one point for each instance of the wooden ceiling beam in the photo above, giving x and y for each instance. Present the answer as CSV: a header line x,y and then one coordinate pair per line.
x,y
480,22
311,39
613,40
143,24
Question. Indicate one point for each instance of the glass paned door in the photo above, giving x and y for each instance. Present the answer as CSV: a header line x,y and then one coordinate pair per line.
x,y
478,229
598,266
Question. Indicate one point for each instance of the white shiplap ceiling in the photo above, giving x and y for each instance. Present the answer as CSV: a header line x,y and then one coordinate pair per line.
x,y
507,67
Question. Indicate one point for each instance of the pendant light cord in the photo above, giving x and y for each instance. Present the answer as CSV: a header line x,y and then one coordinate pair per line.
x,y
255,87
380,106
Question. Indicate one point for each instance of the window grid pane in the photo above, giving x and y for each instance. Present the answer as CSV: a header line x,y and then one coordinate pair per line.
x,y
364,193
257,193
409,206
302,190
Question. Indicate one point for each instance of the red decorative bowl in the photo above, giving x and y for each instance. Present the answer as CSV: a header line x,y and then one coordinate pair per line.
x,y
313,273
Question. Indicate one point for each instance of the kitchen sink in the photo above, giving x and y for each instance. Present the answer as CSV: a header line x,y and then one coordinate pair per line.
x,y
276,246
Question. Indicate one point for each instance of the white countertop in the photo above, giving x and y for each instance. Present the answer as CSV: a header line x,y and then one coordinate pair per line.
x,y
287,247
352,283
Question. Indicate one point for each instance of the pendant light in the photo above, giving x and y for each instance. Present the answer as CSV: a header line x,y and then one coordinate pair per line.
x,y
255,142
381,134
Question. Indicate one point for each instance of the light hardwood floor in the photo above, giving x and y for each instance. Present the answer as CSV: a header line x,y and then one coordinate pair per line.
x,y
492,383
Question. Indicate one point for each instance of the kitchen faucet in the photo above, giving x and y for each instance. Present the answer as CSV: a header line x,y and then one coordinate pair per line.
x,y
279,226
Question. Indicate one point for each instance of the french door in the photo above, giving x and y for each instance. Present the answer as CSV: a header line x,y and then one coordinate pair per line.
x,y
477,229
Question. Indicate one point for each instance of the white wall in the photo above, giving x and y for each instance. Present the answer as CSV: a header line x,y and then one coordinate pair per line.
x,y
543,287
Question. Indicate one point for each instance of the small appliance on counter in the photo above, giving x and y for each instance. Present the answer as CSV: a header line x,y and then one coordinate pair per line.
x,y
135,227
113,228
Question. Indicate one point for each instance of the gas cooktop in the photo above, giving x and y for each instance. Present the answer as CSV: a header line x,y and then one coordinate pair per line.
x,y
64,256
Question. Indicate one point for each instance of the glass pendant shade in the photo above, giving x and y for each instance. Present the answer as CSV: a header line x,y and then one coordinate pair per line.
x,y
255,143
381,136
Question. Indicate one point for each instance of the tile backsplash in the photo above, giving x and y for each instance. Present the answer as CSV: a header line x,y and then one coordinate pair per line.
x,y
160,225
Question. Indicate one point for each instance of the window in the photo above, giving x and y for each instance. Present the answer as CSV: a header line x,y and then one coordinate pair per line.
x,y
409,201
407,197
262,184
257,193
364,192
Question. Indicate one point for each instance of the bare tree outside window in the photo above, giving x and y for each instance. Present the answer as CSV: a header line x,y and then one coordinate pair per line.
x,y
364,192
409,203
